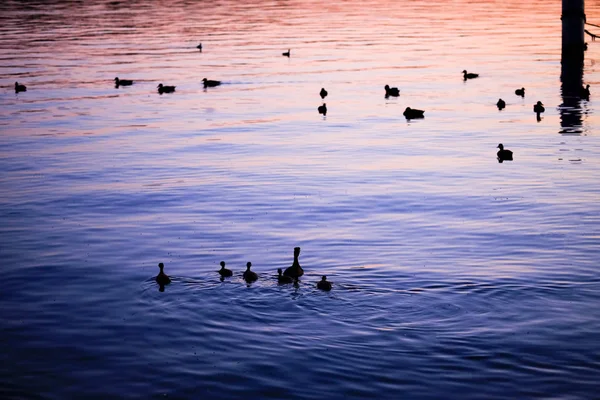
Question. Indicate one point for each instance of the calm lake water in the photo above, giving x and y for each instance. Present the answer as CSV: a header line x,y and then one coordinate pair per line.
x,y
453,276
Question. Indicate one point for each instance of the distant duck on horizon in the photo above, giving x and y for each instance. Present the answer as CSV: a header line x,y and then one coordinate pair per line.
x,y
249,276
286,54
323,93
123,82
224,272
199,47
165,89
538,108
162,278
503,154
394,92
501,104
467,75
210,83
520,92
322,109
20,87
295,270
585,92
413,113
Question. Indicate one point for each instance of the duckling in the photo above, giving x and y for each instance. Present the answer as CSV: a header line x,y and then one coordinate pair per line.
x,y
467,75
295,270
394,92
323,93
123,82
162,278
20,87
322,109
286,54
501,104
504,155
199,47
249,276
538,107
520,92
283,279
209,83
224,272
323,284
585,92
411,113
165,89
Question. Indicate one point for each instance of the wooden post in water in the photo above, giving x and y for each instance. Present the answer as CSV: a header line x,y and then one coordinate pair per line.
x,y
571,74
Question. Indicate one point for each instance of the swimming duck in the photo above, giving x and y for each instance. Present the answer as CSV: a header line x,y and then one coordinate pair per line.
x,y
283,279
165,89
286,54
394,92
224,271
123,82
411,113
199,47
538,107
322,109
323,284
20,87
249,276
295,270
520,92
162,278
585,92
504,155
501,104
467,75
323,93
209,83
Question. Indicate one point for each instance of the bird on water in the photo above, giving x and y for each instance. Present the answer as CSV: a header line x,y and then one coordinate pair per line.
x,y
295,270
224,272
323,93
162,278
249,276
412,113
323,284
520,92
199,47
585,92
322,109
286,54
503,154
20,87
123,82
209,83
165,89
538,107
394,92
467,75
501,104
283,279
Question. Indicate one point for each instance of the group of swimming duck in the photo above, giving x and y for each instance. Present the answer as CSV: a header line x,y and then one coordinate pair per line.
x,y
290,275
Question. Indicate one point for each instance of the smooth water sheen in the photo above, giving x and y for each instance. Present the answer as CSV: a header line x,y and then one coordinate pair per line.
x,y
453,276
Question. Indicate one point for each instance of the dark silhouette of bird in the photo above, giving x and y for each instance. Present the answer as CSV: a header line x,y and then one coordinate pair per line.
x,y
585,92
412,113
209,83
394,92
504,155
283,279
538,107
224,272
20,87
295,270
286,54
322,109
323,284
323,93
162,278
165,89
123,82
199,47
520,92
501,104
249,276
467,75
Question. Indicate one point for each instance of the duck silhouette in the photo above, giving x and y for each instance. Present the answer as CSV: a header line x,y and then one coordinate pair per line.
x,y
323,93
286,54
209,83
123,82
20,87
165,89
520,92
412,113
322,109
584,93
199,47
324,284
224,272
394,92
283,279
538,107
162,278
249,276
467,75
504,155
501,104
295,271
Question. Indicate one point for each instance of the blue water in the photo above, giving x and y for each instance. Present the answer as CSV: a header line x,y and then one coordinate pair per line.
x,y
453,276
